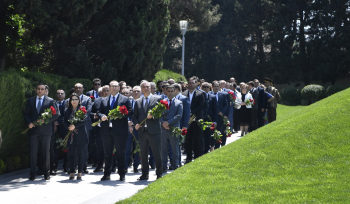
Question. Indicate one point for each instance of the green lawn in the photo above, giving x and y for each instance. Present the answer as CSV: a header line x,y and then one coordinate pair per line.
x,y
303,157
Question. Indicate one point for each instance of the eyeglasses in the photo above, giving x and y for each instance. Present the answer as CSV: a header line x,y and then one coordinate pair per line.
x,y
97,84
124,93
40,89
205,87
75,99
136,91
114,86
216,86
59,93
79,87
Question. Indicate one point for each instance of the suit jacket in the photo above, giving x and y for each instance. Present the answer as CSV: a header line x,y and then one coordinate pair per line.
x,y
31,115
153,125
185,119
198,103
61,131
81,136
174,114
88,105
119,126
212,113
91,93
261,101
95,108
223,103
255,94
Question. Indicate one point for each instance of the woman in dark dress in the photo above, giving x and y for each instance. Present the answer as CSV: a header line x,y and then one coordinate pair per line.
x,y
245,111
78,137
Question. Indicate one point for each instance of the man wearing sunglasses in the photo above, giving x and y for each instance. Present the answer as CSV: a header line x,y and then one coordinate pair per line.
x,y
96,83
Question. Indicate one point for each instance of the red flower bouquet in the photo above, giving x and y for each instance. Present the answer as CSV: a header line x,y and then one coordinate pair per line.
x,y
44,118
114,114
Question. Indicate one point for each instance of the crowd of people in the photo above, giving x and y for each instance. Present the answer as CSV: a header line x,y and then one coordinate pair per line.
x,y
110,146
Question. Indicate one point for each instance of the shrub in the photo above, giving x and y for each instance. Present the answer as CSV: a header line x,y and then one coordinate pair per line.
x,y
164,74
15,88
312,93
290,96
2,167
333,89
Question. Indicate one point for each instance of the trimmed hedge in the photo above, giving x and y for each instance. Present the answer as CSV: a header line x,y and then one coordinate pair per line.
x,y
165,74
333,89
312,93
290,96
15,89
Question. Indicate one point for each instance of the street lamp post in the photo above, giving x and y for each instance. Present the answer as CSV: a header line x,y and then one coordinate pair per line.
x,y
183,28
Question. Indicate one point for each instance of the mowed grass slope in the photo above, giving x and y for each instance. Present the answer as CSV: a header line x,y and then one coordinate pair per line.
x,y
303,157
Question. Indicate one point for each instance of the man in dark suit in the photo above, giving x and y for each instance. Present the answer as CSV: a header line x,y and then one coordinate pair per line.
x,y
223,105
85,101
136,93
194,137
96,84
172,119
149,132
96,130
261,103
59,129
211,115
39,134
186,112
255,94
114,132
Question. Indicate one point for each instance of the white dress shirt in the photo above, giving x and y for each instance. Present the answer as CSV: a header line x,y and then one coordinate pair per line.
x,y
37,100
190,95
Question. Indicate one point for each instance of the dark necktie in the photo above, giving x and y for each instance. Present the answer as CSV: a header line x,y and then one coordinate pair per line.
x,y
39,106
146,104
170,104
113,102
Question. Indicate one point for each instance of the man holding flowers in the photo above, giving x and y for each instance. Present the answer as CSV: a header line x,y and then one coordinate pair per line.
x,y
40,106
114,129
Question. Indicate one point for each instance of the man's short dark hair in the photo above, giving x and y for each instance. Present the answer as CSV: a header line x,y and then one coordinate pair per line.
x,y
251,83
165,85
158,82
96,80
170,87
234,85
212,83
193,78
41,84
177,86
46,87
71,91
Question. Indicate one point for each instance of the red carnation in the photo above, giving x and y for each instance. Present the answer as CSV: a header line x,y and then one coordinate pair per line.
x,y
229,135
212,125
250,100
65,150
184,132
113,154
219,141
83,109
92,97
123,110
228,125
53,110
212,128
165,103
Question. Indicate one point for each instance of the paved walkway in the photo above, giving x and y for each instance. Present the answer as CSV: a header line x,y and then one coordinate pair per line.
x,y
16,188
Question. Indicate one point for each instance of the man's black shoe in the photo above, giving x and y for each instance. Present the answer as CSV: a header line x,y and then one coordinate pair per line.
x,y
94,165
98,169
85,171
159,176
136,170
46,176
52,173
32,177
122,178
172,168
143,177
187,161
105,178
153,166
